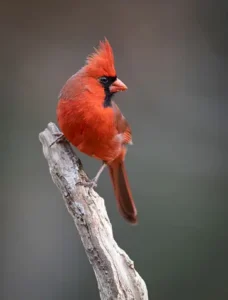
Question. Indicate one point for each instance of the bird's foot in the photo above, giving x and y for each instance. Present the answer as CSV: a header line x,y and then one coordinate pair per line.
x,y
59,138
90,183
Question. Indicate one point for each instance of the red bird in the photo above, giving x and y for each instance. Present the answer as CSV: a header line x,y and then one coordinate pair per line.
x,y
93,123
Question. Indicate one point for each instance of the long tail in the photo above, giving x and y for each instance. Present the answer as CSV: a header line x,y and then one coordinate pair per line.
x,y
122,191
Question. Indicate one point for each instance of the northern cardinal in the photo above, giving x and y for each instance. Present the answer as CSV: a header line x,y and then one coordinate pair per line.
x,y
93,123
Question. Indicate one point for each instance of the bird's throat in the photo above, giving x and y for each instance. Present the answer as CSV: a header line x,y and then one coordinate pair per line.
x,y
108,98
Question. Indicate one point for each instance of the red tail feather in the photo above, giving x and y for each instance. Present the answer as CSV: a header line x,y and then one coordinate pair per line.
x,y
122,191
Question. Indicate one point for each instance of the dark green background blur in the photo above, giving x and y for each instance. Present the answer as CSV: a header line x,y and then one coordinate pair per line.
x,y
173,57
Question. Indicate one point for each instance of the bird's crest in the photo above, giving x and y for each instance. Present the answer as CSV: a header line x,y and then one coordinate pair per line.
x,y
101,62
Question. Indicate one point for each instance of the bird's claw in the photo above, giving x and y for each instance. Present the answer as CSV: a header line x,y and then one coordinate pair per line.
x,y
59,138
91,184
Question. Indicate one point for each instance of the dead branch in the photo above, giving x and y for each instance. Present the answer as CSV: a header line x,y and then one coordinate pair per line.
x,y
115,272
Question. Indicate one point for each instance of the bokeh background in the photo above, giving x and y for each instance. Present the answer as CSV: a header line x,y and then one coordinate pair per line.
x,y
173,56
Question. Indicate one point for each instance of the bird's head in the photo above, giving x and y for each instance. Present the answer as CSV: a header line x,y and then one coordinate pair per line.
x,y
98,77
100,66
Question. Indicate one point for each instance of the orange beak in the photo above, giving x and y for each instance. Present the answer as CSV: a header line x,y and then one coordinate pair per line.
x,y
117,86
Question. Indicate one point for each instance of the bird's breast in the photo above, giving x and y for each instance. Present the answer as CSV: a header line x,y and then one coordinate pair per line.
x,y
89,127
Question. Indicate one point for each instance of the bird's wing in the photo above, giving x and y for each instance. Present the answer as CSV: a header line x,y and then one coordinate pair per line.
x,y
122,125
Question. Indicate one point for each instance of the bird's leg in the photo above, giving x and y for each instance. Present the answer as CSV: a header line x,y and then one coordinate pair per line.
x,y
93,182
95,179
59,138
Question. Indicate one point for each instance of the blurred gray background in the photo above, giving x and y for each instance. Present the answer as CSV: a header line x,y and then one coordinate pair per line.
x,y
173,57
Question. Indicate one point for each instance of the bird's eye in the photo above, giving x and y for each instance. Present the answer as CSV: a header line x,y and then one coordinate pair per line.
x,y
103,80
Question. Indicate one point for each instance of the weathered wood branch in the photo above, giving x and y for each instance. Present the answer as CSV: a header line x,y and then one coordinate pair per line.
x,y
115,272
